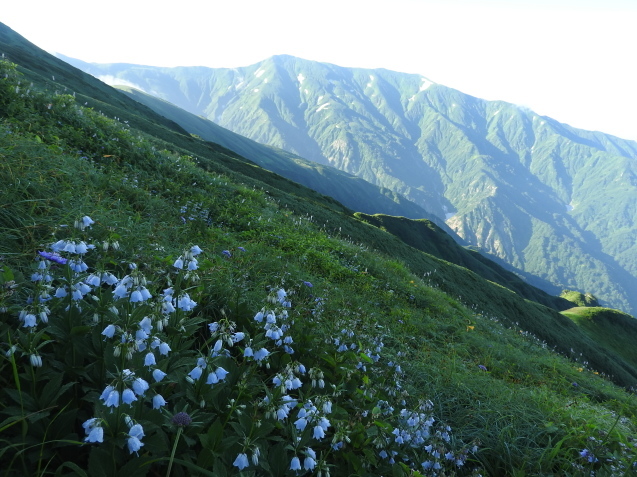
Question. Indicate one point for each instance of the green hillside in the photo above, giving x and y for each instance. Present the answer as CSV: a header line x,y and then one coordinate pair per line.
x,y
611,328
170,308
549,200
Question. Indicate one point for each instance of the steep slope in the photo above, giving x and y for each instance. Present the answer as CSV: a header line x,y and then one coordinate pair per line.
x,y
549,200
489,298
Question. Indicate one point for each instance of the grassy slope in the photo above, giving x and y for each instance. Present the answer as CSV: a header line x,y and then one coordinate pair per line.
x,y
519,409
484,296
611,328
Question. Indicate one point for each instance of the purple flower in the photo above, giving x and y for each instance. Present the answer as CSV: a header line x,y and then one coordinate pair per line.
x,y
482,367
307,284
181,419
227,253
54,257
241,248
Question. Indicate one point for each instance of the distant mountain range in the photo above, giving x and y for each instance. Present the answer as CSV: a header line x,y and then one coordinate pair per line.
x,y
554,203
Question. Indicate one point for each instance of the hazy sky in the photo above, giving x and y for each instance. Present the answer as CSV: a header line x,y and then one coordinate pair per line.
x,y
573,60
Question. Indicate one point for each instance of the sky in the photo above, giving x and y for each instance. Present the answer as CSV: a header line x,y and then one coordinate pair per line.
x,y
572,60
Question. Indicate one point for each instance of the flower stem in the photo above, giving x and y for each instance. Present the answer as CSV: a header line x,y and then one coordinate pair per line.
x,y
172,454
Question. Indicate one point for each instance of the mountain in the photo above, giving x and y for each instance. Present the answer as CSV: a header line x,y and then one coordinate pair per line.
x,y
348,189
548,200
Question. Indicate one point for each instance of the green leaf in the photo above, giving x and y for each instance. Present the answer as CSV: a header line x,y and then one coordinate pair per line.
x,y
74,467
100,463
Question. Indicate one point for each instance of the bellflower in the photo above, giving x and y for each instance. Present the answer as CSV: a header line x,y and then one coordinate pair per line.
x,y
136,297
128,396
164,349
109,331
134,444
158,401
149,359
112,400
241,461
94,430
196,372
221,373
295,464
158,375
140,386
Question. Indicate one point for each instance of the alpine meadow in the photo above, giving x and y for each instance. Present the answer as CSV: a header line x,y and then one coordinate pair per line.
x,y
186,297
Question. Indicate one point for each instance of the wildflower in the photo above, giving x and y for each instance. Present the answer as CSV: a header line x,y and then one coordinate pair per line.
x,y
217,347
241,461
212,379
221,373
248,353
181,419
109,331
158,401
94,431
29,320
310,460
261,354
242,249
295,464
196,372
238,337
195,250
300,423
54,257
184,302
307,284
128,396
140,386
109,278
179,263
92,280
134,442
158,375
36,360
149,359
164,349
112,399
319,433
136,297
87,222
227,253
255,456
482,367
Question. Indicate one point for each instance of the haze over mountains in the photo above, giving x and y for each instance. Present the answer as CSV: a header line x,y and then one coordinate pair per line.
x,y
549,200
